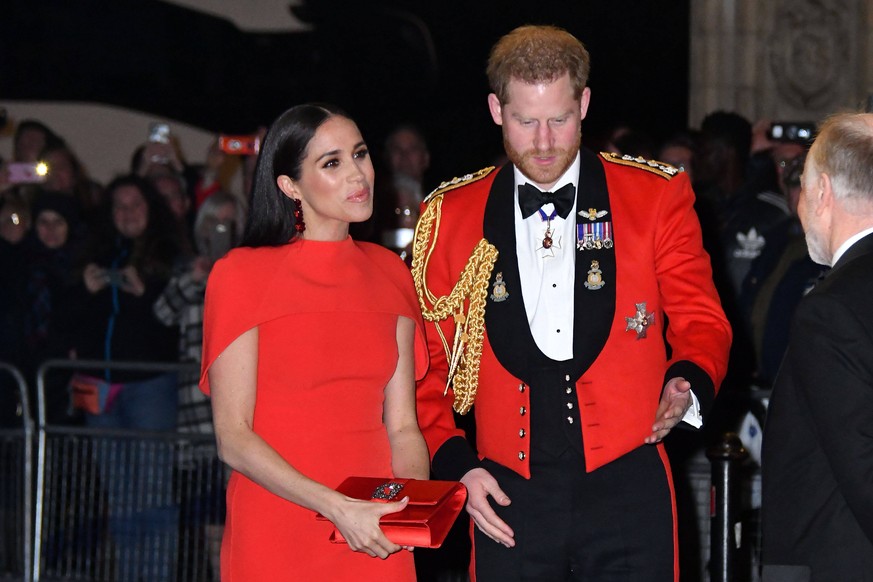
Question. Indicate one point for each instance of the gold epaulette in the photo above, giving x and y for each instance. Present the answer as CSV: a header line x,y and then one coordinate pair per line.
x,y
660,168
458,182
470,292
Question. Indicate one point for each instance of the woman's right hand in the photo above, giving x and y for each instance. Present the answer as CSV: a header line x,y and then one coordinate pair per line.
x,y
358,521
233,378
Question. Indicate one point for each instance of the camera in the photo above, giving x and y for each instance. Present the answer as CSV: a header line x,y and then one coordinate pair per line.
x,y
800,132
159,133
239,145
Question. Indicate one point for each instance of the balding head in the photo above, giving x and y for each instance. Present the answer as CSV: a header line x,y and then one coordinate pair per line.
x,y
836,201
843,149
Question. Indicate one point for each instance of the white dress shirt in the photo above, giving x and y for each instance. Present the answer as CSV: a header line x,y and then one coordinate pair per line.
x,y
547,275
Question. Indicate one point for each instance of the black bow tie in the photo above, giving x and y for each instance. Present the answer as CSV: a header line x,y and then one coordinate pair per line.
x,y
531,199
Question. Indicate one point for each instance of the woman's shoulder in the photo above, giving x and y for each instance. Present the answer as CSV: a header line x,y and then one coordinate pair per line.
x,y
246,264
392,274
250,258
379,253
384,258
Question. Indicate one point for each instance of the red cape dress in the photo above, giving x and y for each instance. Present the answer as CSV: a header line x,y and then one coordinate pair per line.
x,y
326,314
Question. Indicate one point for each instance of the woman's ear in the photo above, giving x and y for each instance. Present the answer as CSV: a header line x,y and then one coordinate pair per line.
x,y
287,186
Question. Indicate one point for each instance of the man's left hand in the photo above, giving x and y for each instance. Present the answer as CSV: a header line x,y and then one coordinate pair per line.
x,y
675,401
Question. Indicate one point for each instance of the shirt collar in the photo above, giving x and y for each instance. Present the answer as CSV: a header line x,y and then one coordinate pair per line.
x,y
571,176
846,245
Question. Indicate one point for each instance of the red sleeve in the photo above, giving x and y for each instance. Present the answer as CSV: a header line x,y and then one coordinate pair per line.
x,y
397,272
698,331
230,307
413,312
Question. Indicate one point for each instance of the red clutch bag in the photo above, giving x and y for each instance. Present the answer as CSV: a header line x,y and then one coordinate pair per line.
x,y
432,509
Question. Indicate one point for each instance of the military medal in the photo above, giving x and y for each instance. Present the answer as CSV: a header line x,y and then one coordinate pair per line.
x,y
547,236
606,233
595,277
593,214
641,321
549,244
498,290
594,235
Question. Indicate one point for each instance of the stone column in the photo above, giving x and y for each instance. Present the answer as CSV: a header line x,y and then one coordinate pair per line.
x,y
791,60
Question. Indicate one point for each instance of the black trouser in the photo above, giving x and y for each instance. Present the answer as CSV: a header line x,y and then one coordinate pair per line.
x,y
615,524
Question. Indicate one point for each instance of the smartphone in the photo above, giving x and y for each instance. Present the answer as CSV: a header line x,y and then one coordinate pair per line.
x,y
159,133
26,172
220,240
792,131
114,277
239,145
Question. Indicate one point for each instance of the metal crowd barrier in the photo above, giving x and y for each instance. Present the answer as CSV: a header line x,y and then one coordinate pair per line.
x,y
109,502
16,478
119,505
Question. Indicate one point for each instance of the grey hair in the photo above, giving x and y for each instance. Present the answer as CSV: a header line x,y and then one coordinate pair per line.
x,y
206,219
843,150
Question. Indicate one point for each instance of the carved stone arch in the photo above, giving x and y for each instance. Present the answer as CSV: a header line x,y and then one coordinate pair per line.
x,y
810,51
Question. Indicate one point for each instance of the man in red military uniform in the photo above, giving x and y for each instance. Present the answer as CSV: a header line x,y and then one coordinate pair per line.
x,y
547,285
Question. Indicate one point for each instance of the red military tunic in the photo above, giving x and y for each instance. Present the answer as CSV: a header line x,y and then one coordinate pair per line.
x,y
659,261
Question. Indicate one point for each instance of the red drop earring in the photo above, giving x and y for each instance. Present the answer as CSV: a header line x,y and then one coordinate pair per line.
x,y
299,225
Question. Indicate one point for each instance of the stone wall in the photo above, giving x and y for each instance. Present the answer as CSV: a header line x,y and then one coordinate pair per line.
x,y
794,60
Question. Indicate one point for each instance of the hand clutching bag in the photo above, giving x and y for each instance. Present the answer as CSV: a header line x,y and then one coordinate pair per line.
x,y
432,509
92,394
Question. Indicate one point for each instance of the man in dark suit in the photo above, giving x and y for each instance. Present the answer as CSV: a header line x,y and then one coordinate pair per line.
x,y
817,505
547,311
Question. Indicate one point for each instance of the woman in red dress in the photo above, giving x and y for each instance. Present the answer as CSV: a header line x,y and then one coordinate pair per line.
x,y
312,344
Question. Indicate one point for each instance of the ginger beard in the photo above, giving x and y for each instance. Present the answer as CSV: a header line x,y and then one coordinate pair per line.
x,y
538,174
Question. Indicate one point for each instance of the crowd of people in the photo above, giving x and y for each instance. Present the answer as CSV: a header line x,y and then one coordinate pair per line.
x,y
119,272
746,186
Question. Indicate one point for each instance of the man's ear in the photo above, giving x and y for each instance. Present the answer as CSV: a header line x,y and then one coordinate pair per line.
x,y
288,186
495,108
825,194
584,101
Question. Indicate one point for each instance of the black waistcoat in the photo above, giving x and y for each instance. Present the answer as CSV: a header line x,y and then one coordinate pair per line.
x,y
554,404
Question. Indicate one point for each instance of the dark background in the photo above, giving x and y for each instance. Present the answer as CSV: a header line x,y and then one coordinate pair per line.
x,y
384,62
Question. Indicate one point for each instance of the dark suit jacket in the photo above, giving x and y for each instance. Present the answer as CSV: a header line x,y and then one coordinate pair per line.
x,y
818,439
658,259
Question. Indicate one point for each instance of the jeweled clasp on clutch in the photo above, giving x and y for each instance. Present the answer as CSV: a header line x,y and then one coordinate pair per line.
x,y
387,491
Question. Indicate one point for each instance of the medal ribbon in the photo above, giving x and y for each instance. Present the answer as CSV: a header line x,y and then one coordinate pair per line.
x,y
594,231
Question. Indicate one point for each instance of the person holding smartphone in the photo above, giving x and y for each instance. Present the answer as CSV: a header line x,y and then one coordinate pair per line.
x,y
128,264
218,227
